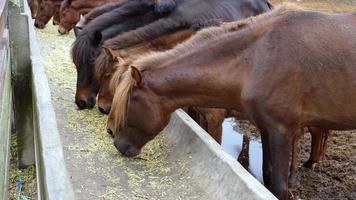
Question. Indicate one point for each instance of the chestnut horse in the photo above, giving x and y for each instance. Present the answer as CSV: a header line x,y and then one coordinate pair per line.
x,y
277,69
71,10
106,65
46,10
187,14
210,119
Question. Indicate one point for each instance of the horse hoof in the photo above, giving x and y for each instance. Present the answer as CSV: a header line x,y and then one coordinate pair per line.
x,y
292,181
310,165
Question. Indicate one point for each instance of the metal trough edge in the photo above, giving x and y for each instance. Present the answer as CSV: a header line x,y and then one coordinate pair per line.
x,y
53,181
217,172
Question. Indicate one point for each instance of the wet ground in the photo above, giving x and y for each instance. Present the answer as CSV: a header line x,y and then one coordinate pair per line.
x,y
335,176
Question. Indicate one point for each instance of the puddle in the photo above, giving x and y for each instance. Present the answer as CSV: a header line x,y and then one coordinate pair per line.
x,y
232,144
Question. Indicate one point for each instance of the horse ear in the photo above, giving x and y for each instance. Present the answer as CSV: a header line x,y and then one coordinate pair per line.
x,y
82,18
97,38
136,75
109,53
69,1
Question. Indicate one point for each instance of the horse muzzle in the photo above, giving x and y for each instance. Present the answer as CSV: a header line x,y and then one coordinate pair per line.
x,y
126,149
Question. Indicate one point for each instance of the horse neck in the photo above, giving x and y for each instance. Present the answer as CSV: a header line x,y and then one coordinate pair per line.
x,y
210,76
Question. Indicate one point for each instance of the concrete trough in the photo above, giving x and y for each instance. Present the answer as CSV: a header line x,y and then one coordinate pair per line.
x,y
68,165
221,176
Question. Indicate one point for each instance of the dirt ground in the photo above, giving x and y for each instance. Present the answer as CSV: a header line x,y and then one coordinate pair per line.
x,y
335,176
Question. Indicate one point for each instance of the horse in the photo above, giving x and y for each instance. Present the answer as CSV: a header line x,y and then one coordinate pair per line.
x,y
46,10
277,69
193,14
121,59
183,17
86,47
160,7
71,10
210,119
33,7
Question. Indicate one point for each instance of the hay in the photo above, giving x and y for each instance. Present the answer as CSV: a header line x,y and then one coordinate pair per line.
x,y
89,148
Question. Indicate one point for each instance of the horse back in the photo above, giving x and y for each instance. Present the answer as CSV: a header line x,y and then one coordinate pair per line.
x,y
305,68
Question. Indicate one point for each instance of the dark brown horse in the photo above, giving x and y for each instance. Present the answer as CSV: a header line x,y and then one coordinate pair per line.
x,y
160,7
46,10
86,47
277,69
184,16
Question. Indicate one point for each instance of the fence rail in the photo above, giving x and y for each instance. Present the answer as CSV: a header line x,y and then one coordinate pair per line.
x,y
23,84
5,101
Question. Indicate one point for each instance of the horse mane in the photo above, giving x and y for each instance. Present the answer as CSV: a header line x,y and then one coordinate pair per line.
x,y
201,37
83,51
278,10
121,99
205,35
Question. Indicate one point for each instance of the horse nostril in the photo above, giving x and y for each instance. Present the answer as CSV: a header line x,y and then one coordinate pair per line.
x,y
110,131
81,104
39,25
102,110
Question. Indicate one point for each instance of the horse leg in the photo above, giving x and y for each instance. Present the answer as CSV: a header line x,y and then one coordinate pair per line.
x,y
276,145
292,181
212,123
244,158
318,146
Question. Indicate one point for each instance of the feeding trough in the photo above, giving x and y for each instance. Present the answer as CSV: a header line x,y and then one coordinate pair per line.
x,y
75,157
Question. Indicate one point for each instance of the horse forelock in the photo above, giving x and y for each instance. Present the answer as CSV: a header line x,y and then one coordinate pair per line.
x,y
83,52
121,99
102,63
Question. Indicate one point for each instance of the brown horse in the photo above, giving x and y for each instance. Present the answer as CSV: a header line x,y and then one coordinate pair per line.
x,y
46,10
277,69
33,7
110,61
210,119
71,10
186,15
